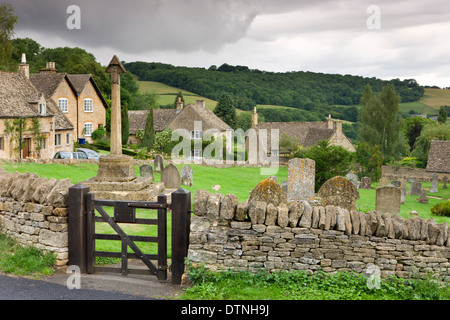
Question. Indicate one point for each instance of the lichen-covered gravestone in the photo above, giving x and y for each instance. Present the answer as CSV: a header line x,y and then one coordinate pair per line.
x,y
301,179
171,177
415,187
388,199
187,176
146,170
422,196
339,192
268,191
365,183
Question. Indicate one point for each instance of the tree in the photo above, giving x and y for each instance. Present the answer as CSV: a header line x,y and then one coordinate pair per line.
x,y
370,160
125,123
330,160
225,110
442,115
149,132
7,22
380,124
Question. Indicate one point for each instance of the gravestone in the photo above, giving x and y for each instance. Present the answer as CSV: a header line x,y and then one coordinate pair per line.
x,y
353,178
268,191
422,196
146,170
159,163
339,192
396,183
301,179
388,199
284,186
365,183
384,181
187,176
403,195
415,188
445,182
171,177
434,183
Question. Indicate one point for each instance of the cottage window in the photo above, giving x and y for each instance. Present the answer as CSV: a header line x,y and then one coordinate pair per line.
x,y
195,135
1,143
88,105
42,143
42,109
196,153
68,138
58,140
88,128
63,104
275,153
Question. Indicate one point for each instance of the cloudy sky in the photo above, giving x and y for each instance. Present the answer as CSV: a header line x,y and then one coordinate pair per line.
x,y
378,38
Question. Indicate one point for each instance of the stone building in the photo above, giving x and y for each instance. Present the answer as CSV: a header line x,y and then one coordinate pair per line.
x,y
306,134
23,104
77,96
196,118
439,157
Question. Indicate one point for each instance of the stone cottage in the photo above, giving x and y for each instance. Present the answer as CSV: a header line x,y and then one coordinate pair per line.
x,y
187,118
306,134
77,96
23,106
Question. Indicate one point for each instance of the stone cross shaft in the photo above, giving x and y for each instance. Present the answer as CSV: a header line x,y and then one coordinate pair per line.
x,y
115,68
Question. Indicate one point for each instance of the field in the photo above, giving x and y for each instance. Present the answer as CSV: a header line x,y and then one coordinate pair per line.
x,y
430,103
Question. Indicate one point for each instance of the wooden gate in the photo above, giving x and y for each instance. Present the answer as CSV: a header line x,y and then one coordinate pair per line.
x,y
85,211
125,213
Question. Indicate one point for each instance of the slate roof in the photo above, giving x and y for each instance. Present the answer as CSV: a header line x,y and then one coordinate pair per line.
x,y
439,156
19,98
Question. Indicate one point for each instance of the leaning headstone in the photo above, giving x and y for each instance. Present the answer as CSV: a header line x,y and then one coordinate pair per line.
x,y
146,170
301,179
445,179
416,186
268,191
171,177
365,183
422,196
388,199
187,176
339,192
158,163
434,183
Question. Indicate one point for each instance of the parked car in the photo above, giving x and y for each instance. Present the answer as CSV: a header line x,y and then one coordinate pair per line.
x,y
70,155
91,154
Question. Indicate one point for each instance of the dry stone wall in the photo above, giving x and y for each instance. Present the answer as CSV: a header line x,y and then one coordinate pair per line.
x,y
34,211
227,235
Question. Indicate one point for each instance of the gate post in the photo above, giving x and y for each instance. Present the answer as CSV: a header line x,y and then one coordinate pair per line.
x,y
77,226
181,221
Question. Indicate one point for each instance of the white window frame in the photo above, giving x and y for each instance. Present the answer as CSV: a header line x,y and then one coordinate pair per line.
x,y
58,140
63,105
196,135
88,105
88,132
196,153
42,109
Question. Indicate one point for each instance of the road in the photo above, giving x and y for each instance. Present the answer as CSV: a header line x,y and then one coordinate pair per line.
x,y
92,287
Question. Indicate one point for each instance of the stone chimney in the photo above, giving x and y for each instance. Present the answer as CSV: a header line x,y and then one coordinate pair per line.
x,y
49,68
24,68
254,117
201,103
179,105
338,127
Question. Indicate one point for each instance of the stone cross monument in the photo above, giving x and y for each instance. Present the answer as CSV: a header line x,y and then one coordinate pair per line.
x,y
115,68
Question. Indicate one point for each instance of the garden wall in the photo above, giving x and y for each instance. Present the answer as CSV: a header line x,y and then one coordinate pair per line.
x,y
34,211
240,236
417,174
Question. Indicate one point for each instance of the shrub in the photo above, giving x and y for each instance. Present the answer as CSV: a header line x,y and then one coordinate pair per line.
x,y
442,209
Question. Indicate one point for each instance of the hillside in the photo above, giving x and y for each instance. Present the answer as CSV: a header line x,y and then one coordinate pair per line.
x,y
300,90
